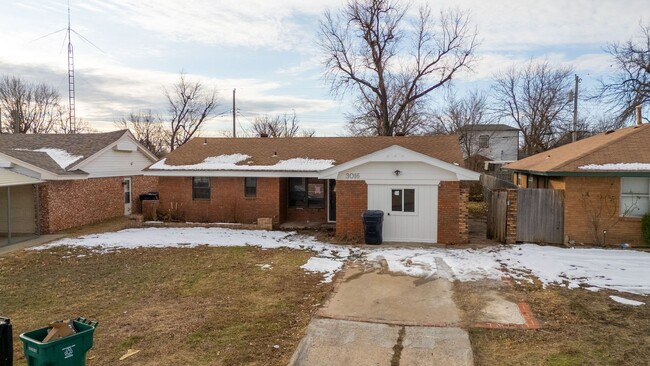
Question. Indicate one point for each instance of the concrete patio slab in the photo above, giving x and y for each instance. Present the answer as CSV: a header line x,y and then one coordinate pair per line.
x,y
43,239
392,299
338,342
434,346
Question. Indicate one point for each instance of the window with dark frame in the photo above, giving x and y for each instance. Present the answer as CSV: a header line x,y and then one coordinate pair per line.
x,y
201,188
484,141
250,187
306,193
402,200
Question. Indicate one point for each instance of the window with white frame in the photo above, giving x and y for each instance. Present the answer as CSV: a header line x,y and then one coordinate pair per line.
x,y
403,200
635,196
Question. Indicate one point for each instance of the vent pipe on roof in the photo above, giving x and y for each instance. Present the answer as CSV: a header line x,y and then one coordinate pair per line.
x,y
639,117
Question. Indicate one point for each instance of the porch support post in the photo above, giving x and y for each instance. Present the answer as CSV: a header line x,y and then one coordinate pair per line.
x,y
8,215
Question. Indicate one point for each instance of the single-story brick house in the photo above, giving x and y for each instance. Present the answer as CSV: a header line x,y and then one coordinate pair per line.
x,y
51,182
606,180
414,180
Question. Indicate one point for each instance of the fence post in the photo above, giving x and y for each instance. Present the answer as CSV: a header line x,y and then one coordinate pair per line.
x,y
511,216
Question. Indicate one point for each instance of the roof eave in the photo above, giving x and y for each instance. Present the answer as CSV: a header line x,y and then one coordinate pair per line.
x,y
616,173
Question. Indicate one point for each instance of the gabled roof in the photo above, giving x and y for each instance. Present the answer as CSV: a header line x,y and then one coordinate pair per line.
x,y
38,149
269,154
617,152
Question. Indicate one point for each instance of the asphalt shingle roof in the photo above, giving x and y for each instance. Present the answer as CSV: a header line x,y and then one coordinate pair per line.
x,y
626,145
269,151
21,146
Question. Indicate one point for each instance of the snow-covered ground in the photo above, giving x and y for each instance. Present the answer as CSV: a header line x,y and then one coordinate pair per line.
x,y
594,269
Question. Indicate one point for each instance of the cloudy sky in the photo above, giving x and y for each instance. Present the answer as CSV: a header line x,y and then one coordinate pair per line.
x,y
265,49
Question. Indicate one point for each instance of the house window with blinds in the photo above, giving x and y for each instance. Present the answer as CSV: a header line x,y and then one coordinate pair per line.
x,y
635,196
201,188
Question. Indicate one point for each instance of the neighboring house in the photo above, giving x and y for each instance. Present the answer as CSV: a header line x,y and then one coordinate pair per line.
x,y
606,180
496,143
414,180
53,182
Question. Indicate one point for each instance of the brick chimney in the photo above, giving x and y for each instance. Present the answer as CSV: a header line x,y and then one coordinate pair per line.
x,y
639,119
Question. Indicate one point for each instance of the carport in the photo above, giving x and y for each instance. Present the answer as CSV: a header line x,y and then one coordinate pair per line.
x,y
18,207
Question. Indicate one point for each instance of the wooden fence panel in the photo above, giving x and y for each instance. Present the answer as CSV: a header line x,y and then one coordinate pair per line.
x,y
540,216
496,216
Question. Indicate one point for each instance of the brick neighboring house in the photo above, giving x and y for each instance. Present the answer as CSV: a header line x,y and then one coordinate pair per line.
x,y
414,180
606,180
52,182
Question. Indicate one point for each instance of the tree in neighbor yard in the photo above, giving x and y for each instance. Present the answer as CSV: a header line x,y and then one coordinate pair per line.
x,y
389,61
148,129
189,106
34,108
630,85
286,125
534,97
461,116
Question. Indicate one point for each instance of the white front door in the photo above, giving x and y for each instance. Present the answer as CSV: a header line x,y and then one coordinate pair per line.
x,y
126,183
410,212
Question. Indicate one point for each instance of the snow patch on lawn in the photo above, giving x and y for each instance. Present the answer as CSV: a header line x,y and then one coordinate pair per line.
x,y
592,269
622,300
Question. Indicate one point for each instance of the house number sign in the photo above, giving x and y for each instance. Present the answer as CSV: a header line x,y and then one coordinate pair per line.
x,y
352,175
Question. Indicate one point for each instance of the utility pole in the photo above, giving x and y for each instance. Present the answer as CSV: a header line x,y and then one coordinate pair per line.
x,y
574,135
234,113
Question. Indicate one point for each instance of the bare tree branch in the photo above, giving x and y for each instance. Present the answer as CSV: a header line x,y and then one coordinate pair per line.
x,y
35,108
390,66
189,106
148,129
286,125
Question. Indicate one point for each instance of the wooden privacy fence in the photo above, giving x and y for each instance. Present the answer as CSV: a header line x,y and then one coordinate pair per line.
x,y
526,215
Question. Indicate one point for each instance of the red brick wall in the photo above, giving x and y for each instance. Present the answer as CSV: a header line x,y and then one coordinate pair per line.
x,y
449,213
227,202
585,196
70,203
351,201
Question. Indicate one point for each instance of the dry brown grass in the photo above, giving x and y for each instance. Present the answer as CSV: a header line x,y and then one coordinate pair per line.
x,y
578,328
198,306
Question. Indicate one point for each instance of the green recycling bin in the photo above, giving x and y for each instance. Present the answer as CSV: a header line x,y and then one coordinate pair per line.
x,y
68,351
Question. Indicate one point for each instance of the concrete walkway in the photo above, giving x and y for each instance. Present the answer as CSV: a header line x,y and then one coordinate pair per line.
x,y
386,319
43,239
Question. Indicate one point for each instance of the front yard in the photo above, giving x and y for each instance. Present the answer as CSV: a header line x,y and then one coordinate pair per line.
x,y
218,296
178,306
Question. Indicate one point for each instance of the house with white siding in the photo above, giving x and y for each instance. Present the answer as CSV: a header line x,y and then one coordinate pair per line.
x,y
53,182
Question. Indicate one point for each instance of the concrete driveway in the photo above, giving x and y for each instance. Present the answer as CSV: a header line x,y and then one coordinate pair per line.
x,y
386,319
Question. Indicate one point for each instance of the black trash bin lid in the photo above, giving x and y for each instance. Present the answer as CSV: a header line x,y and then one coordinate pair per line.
x,y
373,213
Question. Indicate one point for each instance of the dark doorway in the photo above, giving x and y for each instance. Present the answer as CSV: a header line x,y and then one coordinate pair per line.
x,y
331,215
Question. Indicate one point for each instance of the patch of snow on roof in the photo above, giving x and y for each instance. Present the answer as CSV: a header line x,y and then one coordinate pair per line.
x,y
617,166
61,157
229,162
624,301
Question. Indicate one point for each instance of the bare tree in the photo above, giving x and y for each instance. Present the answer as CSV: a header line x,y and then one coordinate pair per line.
x,y
388,62
535,99
148,129
464,116
630,85
80,126
286,125
189,107
33,108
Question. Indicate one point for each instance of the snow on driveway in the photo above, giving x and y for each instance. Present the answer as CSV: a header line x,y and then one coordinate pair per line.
x,y
621,270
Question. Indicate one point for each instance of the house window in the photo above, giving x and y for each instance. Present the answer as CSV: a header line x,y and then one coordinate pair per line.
x,y
484,141
635,194
201,188
250,187
306,192
403,200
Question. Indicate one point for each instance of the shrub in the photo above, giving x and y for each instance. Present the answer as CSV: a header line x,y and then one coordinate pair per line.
x,y
645,227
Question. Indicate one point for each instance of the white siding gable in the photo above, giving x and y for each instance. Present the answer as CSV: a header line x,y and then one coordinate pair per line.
x,y
117,161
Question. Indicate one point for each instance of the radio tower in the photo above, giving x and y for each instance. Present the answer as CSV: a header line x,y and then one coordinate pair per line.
x,y
72,120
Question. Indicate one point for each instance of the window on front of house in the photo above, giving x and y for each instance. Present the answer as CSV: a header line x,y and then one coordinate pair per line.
x,y
306,193
250,187
201,188
635,196
403,200
484,141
